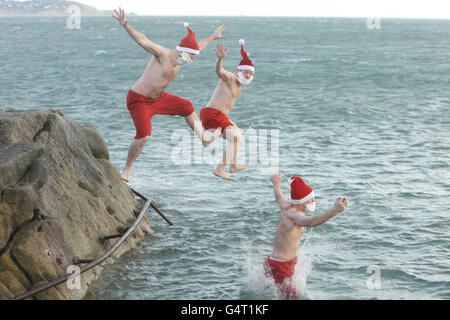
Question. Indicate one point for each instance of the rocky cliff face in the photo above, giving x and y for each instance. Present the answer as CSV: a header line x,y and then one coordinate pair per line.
x,y
58,194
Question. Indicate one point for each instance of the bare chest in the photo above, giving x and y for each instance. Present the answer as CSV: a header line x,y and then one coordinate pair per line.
x,y
230,90
163,69
289,227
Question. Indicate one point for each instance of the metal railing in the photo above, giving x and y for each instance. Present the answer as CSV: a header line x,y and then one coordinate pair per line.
x,y
91,263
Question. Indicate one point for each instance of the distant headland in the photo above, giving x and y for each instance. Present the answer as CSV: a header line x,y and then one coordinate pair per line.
x,y
46,8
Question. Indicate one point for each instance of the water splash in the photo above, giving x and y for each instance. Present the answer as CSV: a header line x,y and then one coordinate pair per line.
x,y
259,286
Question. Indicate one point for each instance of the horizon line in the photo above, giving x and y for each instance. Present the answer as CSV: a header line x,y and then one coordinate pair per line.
x,y
230,16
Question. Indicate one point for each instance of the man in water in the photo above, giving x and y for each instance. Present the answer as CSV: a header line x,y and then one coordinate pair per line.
x,y
214,116
291,226
147,97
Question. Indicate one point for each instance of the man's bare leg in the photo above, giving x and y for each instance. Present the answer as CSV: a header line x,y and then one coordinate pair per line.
x,y
194,122
235,141
220,170
133,152
238,141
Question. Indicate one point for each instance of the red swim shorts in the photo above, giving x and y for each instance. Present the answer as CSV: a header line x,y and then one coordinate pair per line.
x,y
282,272
143,108
212,118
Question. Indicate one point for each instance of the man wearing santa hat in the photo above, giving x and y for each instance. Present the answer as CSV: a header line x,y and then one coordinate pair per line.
x,y
215,115
148,97
291,225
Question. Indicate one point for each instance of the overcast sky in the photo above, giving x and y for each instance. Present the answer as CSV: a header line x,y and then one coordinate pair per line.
x,y
439,9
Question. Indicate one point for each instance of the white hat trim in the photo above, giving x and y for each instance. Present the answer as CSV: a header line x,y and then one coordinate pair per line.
x,y
188,50
300,201
245,67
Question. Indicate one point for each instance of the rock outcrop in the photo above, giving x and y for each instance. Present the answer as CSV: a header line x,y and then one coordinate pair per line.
x,y
58,194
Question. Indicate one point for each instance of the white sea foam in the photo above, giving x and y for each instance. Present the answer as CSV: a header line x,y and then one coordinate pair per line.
x,y
100,52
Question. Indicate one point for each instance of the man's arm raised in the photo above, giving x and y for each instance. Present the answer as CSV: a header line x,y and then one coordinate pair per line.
x,y
141,39
221,72
282,201
216,35
315,221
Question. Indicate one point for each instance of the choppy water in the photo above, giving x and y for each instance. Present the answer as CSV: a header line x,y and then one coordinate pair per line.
x,y
361,113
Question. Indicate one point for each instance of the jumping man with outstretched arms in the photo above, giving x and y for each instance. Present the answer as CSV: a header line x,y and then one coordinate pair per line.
x,y
280,264
147,97
215,115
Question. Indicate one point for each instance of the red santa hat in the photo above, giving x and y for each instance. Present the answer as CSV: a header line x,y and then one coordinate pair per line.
x,y
188,43
246,63
300,191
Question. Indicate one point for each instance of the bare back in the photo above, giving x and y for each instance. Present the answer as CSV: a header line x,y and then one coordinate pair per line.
x,y
159,73
225,96
288,236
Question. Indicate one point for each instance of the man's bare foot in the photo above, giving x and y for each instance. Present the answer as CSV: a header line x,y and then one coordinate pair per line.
x,y
208,139
223,175
125,178
237,167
